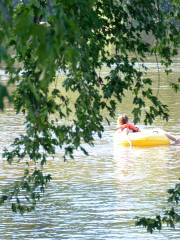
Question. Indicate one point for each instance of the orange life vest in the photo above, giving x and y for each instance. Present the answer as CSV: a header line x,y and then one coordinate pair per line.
x,y
129,126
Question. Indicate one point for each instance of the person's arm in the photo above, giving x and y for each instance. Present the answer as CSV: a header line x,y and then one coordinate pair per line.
x,y
121,127
133,127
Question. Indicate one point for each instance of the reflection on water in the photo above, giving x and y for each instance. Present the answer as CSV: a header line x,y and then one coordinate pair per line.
x,y
96,197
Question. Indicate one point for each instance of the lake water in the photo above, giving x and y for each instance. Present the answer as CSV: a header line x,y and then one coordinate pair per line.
x,y
96,197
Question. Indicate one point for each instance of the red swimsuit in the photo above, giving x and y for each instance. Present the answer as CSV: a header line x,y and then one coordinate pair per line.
x,y
129,126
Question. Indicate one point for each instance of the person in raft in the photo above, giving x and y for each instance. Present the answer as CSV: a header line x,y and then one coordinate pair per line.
x,y
123,125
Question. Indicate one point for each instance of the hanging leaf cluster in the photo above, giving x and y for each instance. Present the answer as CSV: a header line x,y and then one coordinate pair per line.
x,y
42,38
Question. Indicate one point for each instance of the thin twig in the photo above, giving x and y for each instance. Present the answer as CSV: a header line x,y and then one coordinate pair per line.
x,y
159,78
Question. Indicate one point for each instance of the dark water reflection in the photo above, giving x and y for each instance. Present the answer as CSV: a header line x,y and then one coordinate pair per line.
x,y
97,197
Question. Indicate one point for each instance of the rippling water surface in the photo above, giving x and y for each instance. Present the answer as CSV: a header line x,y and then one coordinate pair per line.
x,y
97,196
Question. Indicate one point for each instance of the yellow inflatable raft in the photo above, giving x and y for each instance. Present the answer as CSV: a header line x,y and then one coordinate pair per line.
x,y
146,138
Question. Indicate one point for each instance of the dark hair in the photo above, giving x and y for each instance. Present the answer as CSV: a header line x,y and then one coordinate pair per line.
x,y
123,119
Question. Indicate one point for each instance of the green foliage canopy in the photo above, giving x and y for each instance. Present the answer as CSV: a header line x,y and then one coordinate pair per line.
x,y
41,37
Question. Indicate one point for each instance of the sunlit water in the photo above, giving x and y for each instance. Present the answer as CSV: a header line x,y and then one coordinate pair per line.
x,y
97,197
